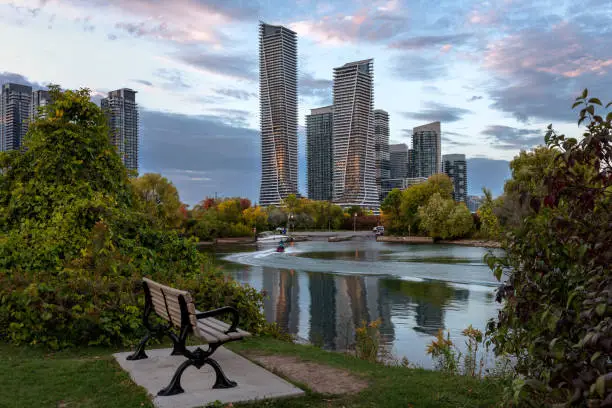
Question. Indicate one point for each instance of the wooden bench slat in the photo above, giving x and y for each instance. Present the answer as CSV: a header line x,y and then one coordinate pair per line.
x,y
207,331
222,326
205,325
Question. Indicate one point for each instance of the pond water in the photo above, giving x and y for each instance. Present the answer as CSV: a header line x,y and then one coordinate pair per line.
x,y
321,291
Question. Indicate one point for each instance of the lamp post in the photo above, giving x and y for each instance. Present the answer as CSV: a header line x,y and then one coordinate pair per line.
x,y
355,222
289,222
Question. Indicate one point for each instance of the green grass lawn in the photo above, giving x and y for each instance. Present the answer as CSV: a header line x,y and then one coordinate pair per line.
x,y
86,378
30,377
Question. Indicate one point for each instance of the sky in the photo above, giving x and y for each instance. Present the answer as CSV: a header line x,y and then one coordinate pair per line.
x,y
495,73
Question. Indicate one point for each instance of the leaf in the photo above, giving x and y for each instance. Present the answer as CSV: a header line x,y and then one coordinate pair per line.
x,y
591,109
600,385
585,93
595,101
600,309
575,104
609,117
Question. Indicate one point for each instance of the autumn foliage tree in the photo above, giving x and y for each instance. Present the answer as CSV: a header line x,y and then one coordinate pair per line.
x,y
556,318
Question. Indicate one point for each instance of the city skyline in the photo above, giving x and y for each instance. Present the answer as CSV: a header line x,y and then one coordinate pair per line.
x,y
195,67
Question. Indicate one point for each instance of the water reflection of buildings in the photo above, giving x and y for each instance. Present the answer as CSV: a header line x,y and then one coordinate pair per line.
x,y
282,301
338,304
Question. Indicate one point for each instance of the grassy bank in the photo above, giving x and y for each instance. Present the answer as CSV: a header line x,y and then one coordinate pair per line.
x,y
91,378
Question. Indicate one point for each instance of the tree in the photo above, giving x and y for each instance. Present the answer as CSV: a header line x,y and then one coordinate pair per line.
x,y
460,221
489,224
291,201
526,182
443,218
418,195
556,317
160,198
255,217
391,208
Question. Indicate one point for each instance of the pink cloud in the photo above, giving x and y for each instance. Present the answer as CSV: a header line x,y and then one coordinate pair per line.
x,y
560,51
367,24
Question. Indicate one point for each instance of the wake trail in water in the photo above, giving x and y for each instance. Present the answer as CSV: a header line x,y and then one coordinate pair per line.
x,y
463,274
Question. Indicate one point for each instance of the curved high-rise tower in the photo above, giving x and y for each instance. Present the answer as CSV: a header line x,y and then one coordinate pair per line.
x,y
353,146
278,113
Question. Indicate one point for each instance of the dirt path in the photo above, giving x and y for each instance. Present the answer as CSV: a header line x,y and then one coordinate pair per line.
x,y
319,378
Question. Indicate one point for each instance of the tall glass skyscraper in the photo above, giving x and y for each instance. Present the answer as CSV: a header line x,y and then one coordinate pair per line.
x,y
381,134
15,105
319,153
426,142
122,114
278,113
354,175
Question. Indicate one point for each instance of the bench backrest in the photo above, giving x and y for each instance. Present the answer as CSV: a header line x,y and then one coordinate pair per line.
x,y
171,304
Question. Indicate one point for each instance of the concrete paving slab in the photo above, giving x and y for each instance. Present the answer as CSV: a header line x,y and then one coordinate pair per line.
x,y
254,382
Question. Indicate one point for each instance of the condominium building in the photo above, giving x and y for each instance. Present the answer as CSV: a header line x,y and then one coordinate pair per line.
x,y
400,183
398,160
40,99
319,125
278,113
353,147
381,136
426,142
455,167
122,114
15,101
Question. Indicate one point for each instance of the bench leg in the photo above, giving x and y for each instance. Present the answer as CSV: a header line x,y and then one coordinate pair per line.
x,y
140,354
175,384
221,381
178,348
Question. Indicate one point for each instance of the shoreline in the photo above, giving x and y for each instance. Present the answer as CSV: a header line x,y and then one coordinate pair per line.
x,y
428,240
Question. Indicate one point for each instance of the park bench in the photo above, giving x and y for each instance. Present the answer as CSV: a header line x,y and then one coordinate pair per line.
x,y
177,308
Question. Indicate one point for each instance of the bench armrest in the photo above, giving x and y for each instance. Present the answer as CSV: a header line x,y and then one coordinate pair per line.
x,y
220,311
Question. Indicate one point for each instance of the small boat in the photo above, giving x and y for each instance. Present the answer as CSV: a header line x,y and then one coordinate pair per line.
x,y
270,237
281,247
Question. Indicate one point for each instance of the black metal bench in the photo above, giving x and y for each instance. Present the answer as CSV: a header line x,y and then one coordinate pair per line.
x,y
177,307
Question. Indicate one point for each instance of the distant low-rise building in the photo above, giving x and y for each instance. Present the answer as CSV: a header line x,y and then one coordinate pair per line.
x,y
474,202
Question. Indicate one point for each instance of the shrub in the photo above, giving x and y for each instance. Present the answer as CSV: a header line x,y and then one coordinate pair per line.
x,y
556,317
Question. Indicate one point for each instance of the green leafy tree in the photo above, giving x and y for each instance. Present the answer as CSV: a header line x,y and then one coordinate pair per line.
x,y
556,318
489,223
443,218
418,195
460,222
391,209
434,216
160,198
